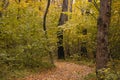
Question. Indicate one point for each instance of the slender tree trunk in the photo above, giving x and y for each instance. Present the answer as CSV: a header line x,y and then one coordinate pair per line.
x,y
102,35
45,30
67,46
62,20
71,3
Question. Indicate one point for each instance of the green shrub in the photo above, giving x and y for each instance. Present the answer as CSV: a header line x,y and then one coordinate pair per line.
x,y
108,74
91,76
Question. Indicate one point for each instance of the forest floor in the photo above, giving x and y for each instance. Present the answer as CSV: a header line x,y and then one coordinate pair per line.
x,y
63,71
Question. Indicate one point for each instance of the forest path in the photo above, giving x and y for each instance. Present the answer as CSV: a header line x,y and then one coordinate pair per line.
x,y
63,71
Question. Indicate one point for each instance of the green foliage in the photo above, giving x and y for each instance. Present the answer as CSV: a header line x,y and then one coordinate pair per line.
x,y
22,41
91,76
104,74
108,74
23,44
74,38
114,38
75,57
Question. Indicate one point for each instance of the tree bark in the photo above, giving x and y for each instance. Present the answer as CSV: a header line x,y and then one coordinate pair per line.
x,y
62,20
102,34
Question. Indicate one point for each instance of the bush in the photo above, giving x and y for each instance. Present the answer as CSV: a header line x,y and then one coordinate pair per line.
x,y
108,74
91,76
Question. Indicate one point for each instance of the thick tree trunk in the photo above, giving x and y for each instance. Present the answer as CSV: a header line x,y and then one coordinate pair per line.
x,y
63,17
62,20
102,35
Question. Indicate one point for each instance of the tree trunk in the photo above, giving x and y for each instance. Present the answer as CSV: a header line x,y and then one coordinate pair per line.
x,y
46,35
71,3
62,20
63,17
102,35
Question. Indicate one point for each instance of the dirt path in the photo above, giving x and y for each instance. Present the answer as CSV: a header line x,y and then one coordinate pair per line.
x,y
63,71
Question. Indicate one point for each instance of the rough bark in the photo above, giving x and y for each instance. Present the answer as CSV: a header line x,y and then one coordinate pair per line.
x,y
62,20
102,34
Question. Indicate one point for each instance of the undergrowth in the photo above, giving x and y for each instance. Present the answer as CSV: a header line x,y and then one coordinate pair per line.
x,y
13,73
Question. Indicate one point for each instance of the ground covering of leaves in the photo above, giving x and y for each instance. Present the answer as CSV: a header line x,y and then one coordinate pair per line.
x,y
63,71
